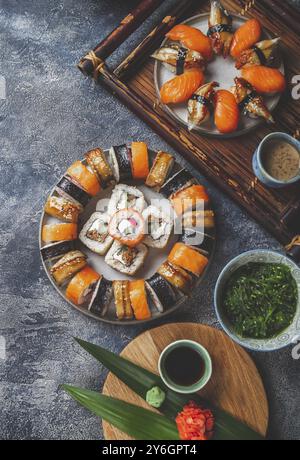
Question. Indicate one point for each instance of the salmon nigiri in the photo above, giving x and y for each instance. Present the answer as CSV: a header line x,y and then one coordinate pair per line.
x,y
181,88
226,111
192,38
220,28
245,37
264,79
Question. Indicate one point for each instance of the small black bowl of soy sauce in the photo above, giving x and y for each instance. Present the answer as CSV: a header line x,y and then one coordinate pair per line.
x,y
185,366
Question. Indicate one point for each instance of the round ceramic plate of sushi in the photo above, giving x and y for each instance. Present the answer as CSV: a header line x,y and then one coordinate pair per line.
x,y
220,70
126,234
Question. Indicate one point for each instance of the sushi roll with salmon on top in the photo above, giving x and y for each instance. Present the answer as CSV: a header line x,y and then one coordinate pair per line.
x,y
126,259
67,266
138,300
158,227
176,276
94,235
125,196
59,232
81,287
188,259
139,160
85,178
127,226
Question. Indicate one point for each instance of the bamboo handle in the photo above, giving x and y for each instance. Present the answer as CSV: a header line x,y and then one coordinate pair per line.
x,y
89,63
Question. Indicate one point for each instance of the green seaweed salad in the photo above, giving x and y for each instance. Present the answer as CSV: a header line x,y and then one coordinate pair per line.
x,y
260,299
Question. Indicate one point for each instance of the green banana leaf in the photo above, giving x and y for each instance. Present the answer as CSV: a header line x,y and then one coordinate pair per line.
x,y
140,423
140,381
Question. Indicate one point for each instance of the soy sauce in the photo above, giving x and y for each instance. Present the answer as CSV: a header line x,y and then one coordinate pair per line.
x,y
184,366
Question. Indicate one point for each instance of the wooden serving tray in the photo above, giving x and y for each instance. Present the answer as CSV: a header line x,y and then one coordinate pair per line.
x,y
227,162
235,385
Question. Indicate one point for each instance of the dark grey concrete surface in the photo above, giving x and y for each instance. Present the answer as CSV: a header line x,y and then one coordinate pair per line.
x,y
50,117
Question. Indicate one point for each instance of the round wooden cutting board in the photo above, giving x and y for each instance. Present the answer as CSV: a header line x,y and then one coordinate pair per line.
x,y
235,385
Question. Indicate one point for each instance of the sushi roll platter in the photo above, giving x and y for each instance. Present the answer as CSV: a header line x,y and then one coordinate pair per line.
x,y
219,74
126,234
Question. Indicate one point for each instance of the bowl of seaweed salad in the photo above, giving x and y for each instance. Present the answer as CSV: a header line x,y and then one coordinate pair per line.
x,y
257,300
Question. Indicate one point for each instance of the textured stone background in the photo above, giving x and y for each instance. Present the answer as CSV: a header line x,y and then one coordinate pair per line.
x,y
50,117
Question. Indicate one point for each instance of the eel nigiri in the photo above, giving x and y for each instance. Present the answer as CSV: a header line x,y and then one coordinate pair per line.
x,y
161,168
138,299
85,178
188,258
139,160
261,53
192,38
67,266
122,299
264,79
220,28
245,37
226,111
97,161
61,208
176,276
80,288
199,105
249,101
178,59
59,232
180,88
188,198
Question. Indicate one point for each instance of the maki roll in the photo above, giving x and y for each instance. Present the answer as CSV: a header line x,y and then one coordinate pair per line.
x,y
202,242
94,234
189,198
61,208
69,190
97,161
80,288
187,258
158,227
177,182
85,178
139,160
127,226
200,220
161,293
59,232
160,170
55,250
176,276
125,259
122,299
121,162
125,196
67,266
138,299
101,297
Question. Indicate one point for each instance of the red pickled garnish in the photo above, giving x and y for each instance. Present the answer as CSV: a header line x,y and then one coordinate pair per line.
x,y
195,423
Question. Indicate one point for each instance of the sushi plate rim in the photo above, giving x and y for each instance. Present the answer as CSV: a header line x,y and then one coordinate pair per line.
x,y
200,129
157,316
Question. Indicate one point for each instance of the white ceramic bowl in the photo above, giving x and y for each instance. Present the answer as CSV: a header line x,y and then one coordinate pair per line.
x,y
288,336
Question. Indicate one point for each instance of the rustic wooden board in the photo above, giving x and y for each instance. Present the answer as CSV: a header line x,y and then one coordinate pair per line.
x,y
226,162
235,384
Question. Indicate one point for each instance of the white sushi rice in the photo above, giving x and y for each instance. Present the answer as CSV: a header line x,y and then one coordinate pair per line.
x,y
124,197
98,222
114,258
160,228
